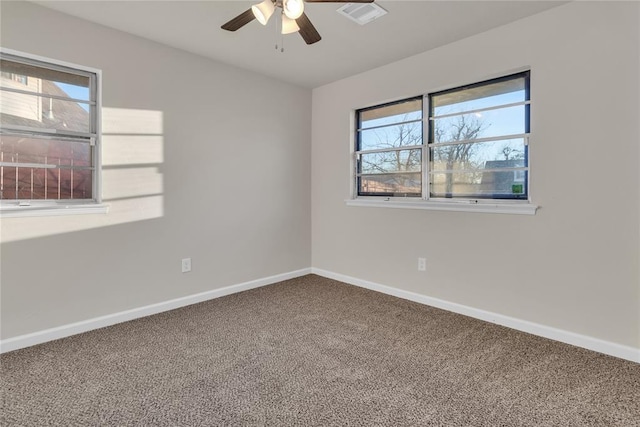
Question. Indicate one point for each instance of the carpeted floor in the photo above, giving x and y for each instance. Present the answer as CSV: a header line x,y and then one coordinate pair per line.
x,y
314,352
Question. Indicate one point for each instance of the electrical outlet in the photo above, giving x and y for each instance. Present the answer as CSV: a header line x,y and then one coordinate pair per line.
x,y
186,265
422,264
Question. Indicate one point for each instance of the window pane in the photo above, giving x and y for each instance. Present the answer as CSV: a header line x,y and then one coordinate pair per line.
x,y
479,155
32,78
509,184
406,184
20,183
404,135
44,113
390,114
46,151
44,184
487,124
478,97
64,172
391,161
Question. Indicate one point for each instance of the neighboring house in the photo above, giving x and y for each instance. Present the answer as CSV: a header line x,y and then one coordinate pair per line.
x,y
17,105
397,185
503,182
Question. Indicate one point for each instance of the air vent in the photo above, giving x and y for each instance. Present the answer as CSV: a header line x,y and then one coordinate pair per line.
x,y
362,13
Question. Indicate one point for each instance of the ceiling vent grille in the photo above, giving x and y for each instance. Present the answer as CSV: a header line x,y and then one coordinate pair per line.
x,y
362,13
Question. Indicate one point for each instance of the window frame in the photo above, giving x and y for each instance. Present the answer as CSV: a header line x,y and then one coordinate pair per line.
x,y
428,202
46,207
358,151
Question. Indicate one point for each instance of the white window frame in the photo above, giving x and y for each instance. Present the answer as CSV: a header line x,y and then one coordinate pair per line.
x,y
489,205
20,208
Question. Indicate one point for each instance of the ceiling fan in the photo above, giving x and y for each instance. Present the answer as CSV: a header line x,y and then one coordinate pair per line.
x,y
293,17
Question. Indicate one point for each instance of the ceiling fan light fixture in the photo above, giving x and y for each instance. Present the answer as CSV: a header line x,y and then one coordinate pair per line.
x,y
293,8
289,25
263,11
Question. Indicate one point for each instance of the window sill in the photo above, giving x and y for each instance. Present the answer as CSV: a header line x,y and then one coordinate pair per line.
x,y
25,211
456,206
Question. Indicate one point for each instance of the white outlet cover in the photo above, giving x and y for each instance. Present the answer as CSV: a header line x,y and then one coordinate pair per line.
x,y
186,265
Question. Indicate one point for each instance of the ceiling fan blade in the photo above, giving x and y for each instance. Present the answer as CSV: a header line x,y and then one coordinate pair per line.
x,y
339,1
307,30
239,21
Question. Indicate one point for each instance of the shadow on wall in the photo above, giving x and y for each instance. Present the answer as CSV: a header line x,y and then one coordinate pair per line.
x,y
132,181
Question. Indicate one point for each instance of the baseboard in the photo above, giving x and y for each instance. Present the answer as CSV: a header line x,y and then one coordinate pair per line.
x,y
40,337
590,343
584,341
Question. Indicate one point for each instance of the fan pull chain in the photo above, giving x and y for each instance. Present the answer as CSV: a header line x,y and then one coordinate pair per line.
x,y
279,31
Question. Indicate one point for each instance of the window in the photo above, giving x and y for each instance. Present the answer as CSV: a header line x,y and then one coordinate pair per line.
x,y
478,140
49,133
389,149
476,147
15,77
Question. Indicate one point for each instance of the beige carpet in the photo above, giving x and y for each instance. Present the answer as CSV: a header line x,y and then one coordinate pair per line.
x,y
314,352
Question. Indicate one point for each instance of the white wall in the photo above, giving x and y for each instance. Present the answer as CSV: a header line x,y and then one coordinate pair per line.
x,y
202,160
572,266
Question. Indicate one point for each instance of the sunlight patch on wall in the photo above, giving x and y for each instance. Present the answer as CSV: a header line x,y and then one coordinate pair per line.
x,y
132,178
125,121
119,150
130,183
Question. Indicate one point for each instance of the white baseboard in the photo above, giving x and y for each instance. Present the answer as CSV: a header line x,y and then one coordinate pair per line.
x,y
40,337
584,341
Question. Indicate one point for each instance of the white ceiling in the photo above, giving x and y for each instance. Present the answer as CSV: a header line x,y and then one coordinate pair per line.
x,y
346,48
